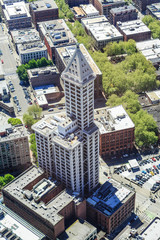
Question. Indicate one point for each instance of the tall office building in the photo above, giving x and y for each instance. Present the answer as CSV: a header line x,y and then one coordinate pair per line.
x,y
74,156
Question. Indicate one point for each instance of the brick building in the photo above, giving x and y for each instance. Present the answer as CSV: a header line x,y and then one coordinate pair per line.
x,y
55,33
42,202
63,55
142,4
44,10
104,6
116,130
110,205
135,30
123,14
73,3
154,10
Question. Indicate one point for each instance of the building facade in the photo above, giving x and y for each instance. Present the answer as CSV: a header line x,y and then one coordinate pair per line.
x,y
104,6
45,10
123,14
17,16
73,3
14,149
74,158
116,131
154,10
142,4
135,30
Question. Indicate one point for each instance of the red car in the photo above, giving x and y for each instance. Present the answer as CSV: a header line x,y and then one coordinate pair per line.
x,y
153,159
2,61
154,167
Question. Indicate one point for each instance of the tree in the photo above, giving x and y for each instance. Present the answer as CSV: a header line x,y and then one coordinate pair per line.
x,y
153,24
14,121
33,146
35,111
8,178
32,64
28,120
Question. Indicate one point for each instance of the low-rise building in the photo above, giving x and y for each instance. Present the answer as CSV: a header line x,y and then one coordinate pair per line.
x,y
153,97
78,13
17,16
135,30
154,10
43,10
5,102
8,2
43,202
123,14
142,4
79,230
152,230
63,55
44,76
104,6
89,10
110,205
14,147
101,31
116,130
151,50
14,227
54,34
29,51
23,36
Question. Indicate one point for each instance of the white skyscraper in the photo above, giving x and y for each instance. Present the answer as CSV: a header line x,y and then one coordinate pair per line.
x,y
74,157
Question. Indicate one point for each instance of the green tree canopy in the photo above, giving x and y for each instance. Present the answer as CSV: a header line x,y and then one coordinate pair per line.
x,y
35,111
5,180
28,120
14,121
33,146
153,24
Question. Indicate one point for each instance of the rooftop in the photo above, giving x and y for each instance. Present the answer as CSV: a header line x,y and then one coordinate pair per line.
x,y
31,47
43,70
79,230
89,9
46,89
132,27
32,198
150,49
121,10
109,197
67,51
152,230
101,30
111,2
25,36
12,133
43,5
4,123
56,32
154,96
16,10
17,227
155,9
112,119
78,11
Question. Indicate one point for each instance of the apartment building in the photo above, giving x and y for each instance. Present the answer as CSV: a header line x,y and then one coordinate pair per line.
x,y
116,131
123,14
45,10
43,202
135,30
68,143
142,4
54,34
154,10
17,16
110,205
104,6
14,148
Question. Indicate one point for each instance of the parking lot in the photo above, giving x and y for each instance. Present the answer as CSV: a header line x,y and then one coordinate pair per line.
x,y
147,176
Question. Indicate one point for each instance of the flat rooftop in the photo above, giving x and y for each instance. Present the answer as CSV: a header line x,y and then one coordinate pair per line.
x,y
49,211
78,11
89,9
155,9
46,89
4,123
97,19
56,32
16,10
35,72
109,197
150,49
19,228
152,230
121,10
102,30
112,119
79,230
13,133
25,36
133,27
66,52
154,95
43,5
31,47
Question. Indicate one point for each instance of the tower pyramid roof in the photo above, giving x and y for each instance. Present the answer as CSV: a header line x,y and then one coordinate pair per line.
x,y
78,68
